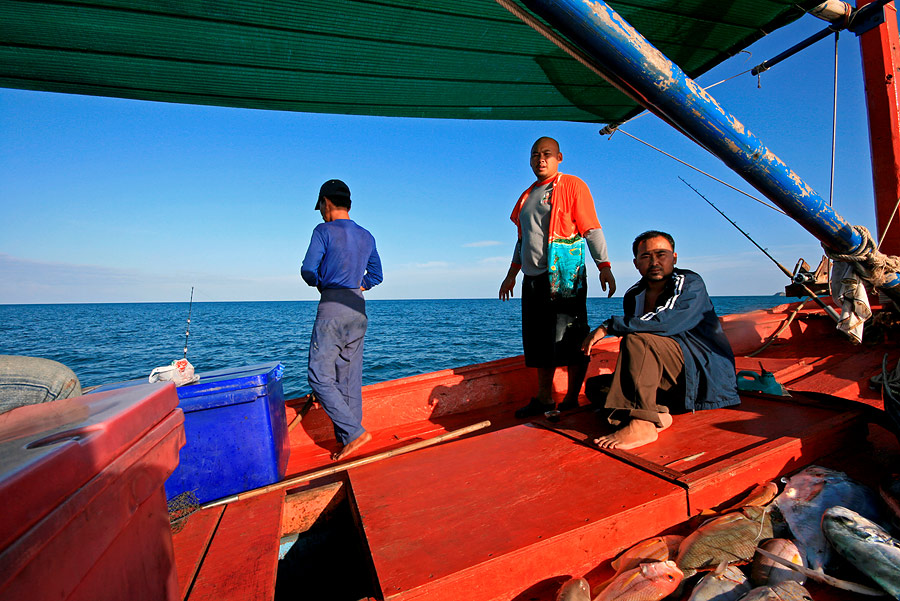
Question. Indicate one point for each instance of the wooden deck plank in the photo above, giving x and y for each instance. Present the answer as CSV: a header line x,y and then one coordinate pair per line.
x,y
846,375
524,504
190,544
242,559
309,457
730,431
481,502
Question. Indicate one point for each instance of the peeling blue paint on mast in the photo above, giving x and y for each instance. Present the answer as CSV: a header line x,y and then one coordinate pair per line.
x,y
640,70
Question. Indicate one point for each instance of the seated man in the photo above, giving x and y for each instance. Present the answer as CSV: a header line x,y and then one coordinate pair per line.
x,y
672,342
32,380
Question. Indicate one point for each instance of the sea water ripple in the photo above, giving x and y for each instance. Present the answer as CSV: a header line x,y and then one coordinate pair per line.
x,y
106,343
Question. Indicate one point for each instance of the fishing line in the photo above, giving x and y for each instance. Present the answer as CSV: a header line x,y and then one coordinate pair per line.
x,y
830,311
611,129
187,331
837,35
781,329
887,227
712,177
728,78
577,54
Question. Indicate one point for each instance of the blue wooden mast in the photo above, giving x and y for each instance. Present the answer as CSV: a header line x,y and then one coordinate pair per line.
x,y
631,63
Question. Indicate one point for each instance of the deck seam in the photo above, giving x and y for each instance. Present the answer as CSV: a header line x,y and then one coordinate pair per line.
x,y
202,557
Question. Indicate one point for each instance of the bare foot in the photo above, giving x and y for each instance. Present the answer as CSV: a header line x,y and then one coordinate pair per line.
x,y
666,420
636,433
352,446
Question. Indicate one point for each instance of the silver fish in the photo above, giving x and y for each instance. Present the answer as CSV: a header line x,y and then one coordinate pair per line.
x,y
729,584
804,500
866,545
574,589
783,591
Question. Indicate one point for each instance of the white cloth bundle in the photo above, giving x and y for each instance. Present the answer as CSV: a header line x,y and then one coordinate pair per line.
x,y
849,293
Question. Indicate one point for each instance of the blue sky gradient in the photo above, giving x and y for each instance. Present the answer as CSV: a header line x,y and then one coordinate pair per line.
x,y
109,200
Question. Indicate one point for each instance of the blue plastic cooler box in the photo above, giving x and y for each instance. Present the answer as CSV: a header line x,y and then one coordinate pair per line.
x,y
236,431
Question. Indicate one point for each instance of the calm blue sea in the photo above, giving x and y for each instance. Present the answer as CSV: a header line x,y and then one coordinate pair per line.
x,y
106,343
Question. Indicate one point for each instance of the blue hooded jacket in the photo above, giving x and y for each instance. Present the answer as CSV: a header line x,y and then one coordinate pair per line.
x,y
685,312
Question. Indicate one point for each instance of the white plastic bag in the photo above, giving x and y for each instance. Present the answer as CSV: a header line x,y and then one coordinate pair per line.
x,y
179,371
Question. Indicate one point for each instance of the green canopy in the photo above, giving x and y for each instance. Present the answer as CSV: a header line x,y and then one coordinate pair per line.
x,y
465,59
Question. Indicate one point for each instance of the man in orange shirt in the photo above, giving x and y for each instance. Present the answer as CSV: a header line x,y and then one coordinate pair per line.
x,y
555,216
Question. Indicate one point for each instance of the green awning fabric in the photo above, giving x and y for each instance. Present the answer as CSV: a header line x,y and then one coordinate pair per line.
x,y
467,59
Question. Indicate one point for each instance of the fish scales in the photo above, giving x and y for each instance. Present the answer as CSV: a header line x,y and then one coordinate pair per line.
x,y
658,548
728,585
647,582
731,538
866,545
783,591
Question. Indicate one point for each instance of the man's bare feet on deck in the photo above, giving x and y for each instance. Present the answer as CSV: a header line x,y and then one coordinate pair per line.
x,y
352,446
636,433
666,420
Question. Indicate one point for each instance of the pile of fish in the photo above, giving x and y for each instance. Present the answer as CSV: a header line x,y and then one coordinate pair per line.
x,y
820,519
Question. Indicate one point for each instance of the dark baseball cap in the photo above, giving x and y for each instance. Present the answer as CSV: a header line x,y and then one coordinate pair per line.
x,y
333,189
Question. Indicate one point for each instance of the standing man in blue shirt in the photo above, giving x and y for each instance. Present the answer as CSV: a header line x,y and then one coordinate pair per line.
x,y
341,262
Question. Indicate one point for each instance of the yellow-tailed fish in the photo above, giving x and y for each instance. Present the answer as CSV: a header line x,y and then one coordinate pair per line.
x,y
731,538
758,497
766,572
658,548
647,582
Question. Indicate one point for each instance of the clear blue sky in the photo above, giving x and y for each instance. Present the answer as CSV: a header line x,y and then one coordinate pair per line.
x,y
108,200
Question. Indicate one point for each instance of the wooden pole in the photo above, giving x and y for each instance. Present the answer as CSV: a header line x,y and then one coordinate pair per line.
x,y
880,49
346,466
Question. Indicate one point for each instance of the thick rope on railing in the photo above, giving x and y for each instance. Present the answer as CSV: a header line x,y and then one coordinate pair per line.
x,y
886,379
878,266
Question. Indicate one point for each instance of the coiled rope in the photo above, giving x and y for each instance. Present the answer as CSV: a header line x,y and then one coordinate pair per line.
x,y
877,265
888,380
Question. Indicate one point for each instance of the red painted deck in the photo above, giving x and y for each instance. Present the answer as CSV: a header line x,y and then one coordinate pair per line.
x,y
491,516
230,552
508,513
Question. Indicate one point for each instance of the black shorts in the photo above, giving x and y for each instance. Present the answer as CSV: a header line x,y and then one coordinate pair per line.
x,y
553,330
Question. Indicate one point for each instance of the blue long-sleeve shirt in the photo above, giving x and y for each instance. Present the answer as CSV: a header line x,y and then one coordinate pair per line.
x,y
685,313
341,254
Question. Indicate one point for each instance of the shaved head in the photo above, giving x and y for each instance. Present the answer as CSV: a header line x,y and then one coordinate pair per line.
x,y
542,139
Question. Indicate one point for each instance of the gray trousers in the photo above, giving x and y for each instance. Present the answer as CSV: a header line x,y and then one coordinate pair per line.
x,y
335,359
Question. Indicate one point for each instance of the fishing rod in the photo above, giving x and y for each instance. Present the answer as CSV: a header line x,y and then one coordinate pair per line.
x,y
829,310
187,331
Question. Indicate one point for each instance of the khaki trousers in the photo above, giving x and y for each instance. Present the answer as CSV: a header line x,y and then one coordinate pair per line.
x,y
647,364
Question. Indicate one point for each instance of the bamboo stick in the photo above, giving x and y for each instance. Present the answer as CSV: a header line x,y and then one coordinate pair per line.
x,y
346,466
310,399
